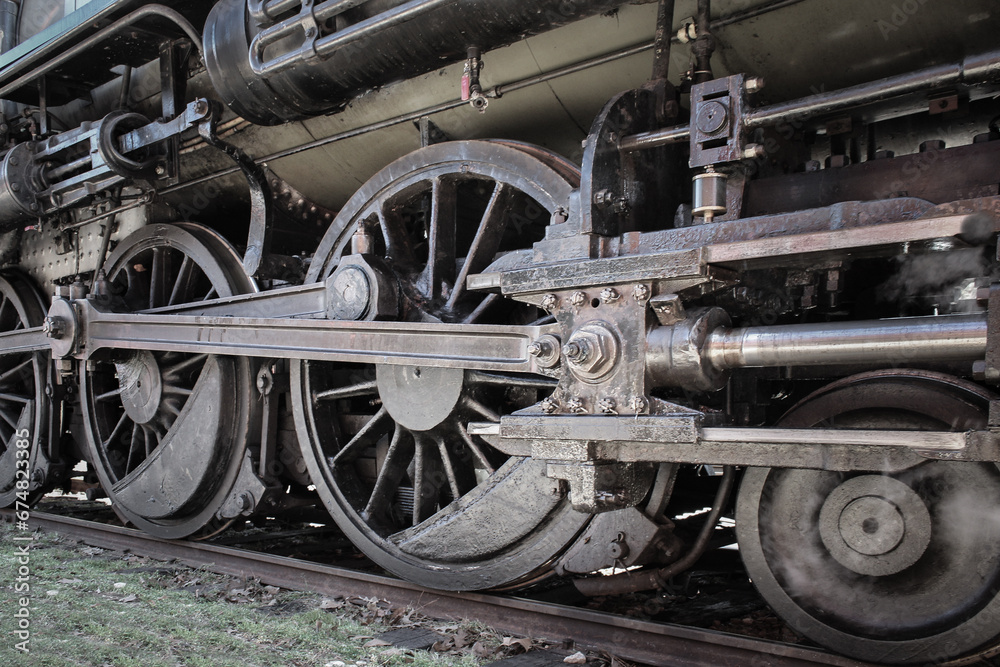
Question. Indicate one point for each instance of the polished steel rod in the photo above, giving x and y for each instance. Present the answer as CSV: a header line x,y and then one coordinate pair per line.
x,y
897,341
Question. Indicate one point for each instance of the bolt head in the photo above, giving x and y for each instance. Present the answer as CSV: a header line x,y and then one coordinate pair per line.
x,y
607,406
578,299
550,302
638,404
753,84
535,349
548,405
610,295
640,293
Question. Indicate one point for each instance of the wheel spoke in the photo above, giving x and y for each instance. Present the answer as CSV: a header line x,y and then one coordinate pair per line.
x,y
503,380
132,446
367,388
449,469
440,269
108,395
487,301
7,418
183,283
181,365
479,408
487,241
476,450
16,398
424,487
157,277
393,469
116,431
374,428
16,369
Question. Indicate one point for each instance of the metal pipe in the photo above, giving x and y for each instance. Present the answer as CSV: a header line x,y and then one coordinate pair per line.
x,y
495,92
973,70
661,40
900,340
644,580
118,26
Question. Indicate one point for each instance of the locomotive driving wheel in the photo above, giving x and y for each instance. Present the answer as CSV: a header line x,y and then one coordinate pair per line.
x,y
388,447
899,568
166,431
23,405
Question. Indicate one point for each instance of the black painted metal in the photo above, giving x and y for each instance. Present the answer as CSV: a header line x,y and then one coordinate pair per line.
x,y
392,52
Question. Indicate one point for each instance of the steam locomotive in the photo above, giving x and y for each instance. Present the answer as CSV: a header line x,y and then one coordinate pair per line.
x,y
509,288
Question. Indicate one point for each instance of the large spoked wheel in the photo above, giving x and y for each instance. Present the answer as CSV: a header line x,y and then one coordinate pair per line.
x,y
166,430
388,446
900,568
23,405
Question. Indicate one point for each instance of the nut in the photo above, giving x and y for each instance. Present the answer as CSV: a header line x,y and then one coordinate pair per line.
x,y
754,152
575,405
578,299
609,295
548,405
550,302
607,406
592,351
753,84
640,293
54,327
638,404
545,350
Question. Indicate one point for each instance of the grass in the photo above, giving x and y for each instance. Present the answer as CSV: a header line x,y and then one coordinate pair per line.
x,y
91,607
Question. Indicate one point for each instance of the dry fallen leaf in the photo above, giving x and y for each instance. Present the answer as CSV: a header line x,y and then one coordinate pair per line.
x,y
481,651
70,581
131,597
376,642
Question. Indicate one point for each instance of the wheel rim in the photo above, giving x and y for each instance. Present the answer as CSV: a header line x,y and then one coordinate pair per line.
x,y
23,406
897,569
150,415
387,447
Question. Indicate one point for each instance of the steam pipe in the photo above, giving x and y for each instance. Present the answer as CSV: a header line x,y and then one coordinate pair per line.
x,y
973,70
661,40
910,339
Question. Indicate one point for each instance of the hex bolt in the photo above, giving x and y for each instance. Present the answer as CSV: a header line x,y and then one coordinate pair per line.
x,y
753,84
54,327
548,405
607,406
550,302
578,299
244,502
535,349
575,405
638,404
576,351
754,152
640,293
609,295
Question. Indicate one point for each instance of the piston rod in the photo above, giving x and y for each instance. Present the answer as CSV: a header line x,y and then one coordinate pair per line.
x,y
899,340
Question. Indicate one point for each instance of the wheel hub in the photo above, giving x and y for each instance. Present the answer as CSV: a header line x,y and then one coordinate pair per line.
x,y
875,525
418,397
141,386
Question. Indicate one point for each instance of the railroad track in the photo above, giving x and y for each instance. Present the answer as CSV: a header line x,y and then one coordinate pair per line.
x,y
632,639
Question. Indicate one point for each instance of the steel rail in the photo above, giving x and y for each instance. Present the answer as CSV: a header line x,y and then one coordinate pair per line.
x,y
633,639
